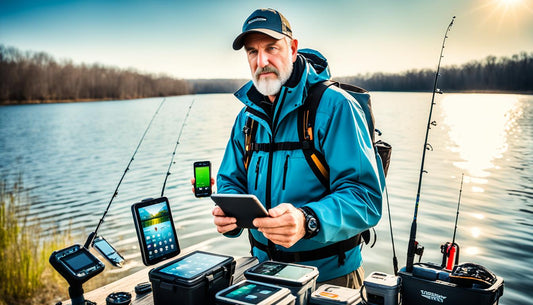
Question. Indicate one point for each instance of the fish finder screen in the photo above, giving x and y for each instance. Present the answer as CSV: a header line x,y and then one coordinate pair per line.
x,y
157,229
78,261
251,293
193,265
282,271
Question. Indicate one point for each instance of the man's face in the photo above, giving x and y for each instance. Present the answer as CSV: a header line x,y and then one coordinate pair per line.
x,y
270,61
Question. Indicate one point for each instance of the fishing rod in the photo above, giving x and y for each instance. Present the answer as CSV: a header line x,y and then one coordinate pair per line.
x,y
450,251
93,234
412,238
175,147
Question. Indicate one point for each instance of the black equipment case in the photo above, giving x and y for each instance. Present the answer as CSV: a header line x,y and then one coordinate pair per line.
x,y
191,279
429,284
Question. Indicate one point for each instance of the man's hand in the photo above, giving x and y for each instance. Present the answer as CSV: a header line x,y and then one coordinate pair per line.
x,y
285,226
224,223
194,180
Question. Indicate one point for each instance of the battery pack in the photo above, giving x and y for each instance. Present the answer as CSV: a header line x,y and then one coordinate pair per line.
x,y
191,279
382,288
335,295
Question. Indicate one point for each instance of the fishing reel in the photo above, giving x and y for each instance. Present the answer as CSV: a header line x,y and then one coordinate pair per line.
x,y
419,250
450,255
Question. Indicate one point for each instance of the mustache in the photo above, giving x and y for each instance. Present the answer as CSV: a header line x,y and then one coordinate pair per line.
x,y
266,69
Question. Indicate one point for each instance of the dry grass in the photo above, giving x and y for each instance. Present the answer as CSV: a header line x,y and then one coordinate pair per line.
x,y
27,277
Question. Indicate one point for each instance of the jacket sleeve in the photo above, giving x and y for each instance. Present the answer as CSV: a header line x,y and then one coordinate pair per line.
x,y
232,176
354,203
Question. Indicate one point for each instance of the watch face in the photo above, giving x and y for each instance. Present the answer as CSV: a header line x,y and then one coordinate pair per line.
x,y
311,224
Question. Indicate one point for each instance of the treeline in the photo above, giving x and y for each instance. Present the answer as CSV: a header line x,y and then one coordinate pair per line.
x,y
216,85
504,74
511,74
37,76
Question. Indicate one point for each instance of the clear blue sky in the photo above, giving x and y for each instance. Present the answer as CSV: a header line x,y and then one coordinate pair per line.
x,y
192,39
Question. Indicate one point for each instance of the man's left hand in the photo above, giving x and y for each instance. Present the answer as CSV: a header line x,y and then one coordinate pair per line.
x,y
285,226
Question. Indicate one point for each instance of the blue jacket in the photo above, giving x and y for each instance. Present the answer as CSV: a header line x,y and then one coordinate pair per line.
x,y
340,134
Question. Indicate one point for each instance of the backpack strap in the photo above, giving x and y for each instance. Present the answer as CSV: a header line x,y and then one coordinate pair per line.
x,y
306,124
249,139
338,249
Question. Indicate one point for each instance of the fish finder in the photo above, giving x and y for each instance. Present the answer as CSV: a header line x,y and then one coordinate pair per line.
x,y
76,264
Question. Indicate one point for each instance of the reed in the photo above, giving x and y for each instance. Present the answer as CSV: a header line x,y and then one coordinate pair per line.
x,y
26,275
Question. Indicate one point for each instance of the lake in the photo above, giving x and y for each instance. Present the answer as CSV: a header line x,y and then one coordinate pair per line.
x,y
72,156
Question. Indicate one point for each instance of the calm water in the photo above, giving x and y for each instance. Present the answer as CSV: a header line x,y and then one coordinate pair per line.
x,y
71,157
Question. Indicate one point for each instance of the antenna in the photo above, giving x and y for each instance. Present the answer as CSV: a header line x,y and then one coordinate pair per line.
x,y
412,238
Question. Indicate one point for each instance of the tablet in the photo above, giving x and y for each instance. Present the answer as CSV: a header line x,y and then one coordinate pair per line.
x,y
244,207
282,273
155,230
194,264
251,293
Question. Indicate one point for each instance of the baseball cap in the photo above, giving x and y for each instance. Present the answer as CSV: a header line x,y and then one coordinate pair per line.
x,y
267,21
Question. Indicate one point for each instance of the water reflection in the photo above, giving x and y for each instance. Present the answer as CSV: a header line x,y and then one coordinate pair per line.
x,y
478,126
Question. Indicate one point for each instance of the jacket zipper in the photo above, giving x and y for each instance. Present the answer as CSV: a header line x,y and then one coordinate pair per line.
x,y
257,171
285,167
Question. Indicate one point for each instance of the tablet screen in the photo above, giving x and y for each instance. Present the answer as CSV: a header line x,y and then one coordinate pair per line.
x,y
156,227
193,265
289,272
253,293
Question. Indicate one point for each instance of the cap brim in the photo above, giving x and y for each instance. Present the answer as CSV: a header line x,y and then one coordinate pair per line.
x,y
238,43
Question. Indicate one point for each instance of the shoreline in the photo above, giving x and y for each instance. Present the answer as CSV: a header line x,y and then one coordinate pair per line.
x,y
34,102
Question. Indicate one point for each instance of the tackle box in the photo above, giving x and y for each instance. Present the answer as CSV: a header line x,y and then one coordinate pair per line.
x,y
428,283
335,295
192,279
255,293
299,279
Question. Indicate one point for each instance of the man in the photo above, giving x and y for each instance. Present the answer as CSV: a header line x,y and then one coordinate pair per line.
x,y
308,223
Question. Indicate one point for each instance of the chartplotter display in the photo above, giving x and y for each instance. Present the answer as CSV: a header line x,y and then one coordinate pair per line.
x,y
155,230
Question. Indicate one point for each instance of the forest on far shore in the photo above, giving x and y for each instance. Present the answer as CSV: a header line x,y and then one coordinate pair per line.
x,y
30,77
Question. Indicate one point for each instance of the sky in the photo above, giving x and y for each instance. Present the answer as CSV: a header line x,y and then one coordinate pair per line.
x,y
192,39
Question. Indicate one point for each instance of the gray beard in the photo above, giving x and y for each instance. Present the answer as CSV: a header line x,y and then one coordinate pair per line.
x,y
272,86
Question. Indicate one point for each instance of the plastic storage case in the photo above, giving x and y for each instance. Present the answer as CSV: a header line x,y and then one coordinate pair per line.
x,y
335,295
382,288
299,279
255,293
192,279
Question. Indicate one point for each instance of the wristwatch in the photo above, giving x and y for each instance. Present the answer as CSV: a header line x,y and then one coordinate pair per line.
x,y
311,223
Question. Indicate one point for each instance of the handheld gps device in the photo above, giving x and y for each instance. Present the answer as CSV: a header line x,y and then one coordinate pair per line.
x,y
155,230
76,264
105,249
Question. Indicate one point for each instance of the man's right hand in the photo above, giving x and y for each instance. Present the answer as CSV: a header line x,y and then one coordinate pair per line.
x,y
224,223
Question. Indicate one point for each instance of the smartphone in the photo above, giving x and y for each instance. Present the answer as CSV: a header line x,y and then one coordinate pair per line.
x,y
105,249
202,177
155,230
